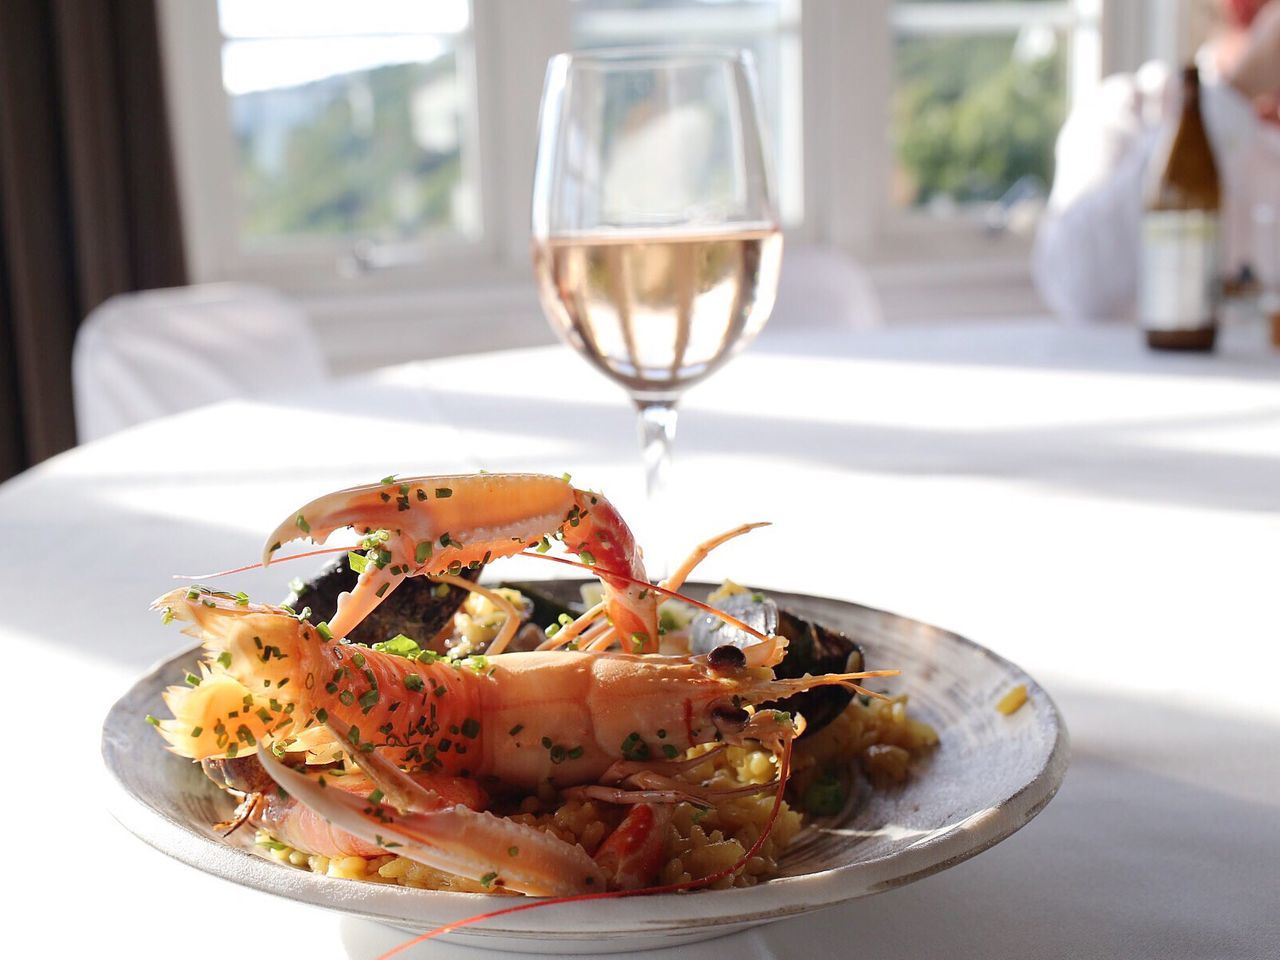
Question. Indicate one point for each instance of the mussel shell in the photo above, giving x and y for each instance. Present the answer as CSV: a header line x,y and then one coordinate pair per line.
x,y
811,648
413,608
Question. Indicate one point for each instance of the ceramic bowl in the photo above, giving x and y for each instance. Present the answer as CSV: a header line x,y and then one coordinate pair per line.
x,y
988,777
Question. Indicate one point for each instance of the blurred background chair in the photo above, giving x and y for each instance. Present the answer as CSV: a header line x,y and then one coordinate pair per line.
x,y
138,356
822,288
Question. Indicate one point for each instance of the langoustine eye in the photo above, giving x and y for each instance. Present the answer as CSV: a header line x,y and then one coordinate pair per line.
x,y
726,658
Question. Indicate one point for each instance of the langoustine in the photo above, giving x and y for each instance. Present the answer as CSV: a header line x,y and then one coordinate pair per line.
x,y
441,525
606,724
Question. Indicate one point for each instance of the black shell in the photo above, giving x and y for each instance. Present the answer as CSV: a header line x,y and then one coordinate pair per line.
x,y
811,648
412,608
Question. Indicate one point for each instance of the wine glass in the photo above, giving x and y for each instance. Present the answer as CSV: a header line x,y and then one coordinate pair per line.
x,y
656,241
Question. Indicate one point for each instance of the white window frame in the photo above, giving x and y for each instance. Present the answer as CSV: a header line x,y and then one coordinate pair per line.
x,y
485,286
206,162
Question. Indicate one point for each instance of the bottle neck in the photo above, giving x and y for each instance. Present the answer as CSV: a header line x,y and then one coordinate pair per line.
x,y
1191,89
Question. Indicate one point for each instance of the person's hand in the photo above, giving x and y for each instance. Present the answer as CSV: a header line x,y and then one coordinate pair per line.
x,y
1257,72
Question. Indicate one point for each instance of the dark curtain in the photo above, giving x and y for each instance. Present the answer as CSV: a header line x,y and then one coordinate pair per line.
x,y
88,202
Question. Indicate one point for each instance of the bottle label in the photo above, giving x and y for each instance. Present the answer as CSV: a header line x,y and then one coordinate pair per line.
x,y
1178,282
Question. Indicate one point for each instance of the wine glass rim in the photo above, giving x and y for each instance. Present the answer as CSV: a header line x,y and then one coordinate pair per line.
x,y
655,55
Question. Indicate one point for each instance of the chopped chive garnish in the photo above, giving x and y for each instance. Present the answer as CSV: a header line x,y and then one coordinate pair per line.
x,y
376,796
302,524
634,748
488,878
513,851
322,628
152,720
224,658
423,552
357,562
196,731
669,751
443,493
471,727
516,729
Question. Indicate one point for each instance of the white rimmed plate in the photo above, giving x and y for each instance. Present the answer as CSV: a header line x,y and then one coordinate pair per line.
x,y
989,776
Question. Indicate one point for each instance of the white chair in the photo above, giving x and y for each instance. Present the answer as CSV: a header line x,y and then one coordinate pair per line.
x,y
823,289
144,355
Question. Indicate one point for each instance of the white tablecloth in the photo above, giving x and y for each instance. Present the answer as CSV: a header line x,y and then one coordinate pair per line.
x,y
1105,517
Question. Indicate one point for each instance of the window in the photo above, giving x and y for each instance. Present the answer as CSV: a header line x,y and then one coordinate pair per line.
x,y
770,29
979,93
360,153
350,121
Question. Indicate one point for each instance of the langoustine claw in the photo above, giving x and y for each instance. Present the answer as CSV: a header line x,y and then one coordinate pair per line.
x,y
444,524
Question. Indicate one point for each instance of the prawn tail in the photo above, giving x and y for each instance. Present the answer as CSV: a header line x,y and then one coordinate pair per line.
x,y
245,689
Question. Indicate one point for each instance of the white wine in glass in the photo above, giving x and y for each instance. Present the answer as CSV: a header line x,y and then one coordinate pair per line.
x,y
659,310
656,241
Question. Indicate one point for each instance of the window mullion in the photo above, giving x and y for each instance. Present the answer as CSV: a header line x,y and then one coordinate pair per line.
x,y
202,140
486,68
847,90
515,38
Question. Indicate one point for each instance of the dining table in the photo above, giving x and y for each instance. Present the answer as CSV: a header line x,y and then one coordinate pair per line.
x,y
1105,516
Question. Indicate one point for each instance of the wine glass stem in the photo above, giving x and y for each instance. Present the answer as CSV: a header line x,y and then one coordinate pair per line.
x,y
657,433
